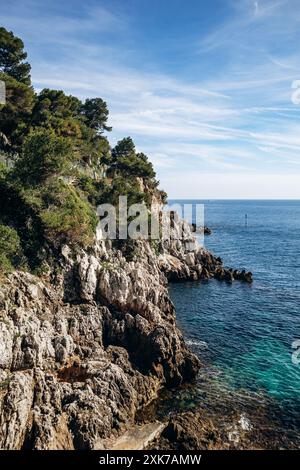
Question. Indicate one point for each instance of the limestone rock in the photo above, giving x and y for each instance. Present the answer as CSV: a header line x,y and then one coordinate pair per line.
x,y
82,351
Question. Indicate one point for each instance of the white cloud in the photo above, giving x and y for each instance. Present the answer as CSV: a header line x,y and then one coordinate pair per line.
x,y
237,119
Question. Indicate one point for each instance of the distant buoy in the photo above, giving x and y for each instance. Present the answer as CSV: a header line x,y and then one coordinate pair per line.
x,y
246,219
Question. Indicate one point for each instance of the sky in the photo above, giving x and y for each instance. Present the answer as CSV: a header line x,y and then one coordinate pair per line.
x,y
209,89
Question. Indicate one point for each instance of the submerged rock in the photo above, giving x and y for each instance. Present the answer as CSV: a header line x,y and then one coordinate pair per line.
x,y
205,230
189,431
224,430
229,275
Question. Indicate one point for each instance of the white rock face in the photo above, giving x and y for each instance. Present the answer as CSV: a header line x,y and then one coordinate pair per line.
x,y
6,344
88,273
16,409
81,351
80,354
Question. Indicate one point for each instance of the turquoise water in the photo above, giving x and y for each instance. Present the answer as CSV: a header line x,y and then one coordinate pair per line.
x,y
245,332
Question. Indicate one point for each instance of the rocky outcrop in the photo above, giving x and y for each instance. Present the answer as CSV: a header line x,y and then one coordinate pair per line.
x,y
204,230
227,429
190,431
229,275
181,258
83,349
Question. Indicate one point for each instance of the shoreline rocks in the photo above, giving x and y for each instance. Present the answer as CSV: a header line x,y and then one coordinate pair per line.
x,y
227,428
90,344
199,265
181,258
205,230
86,348
230,275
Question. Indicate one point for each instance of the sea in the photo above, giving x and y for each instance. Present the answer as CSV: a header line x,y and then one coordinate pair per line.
x,y
247,336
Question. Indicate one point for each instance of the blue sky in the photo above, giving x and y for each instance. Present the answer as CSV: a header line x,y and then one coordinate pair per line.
x,y
203,86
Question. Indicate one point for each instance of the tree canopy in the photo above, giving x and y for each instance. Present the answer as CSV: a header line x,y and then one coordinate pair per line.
x,y
15,115
126,160
12,57
95,113
44,155
58,165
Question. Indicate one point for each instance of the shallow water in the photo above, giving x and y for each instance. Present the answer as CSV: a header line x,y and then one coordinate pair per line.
x,y
244,333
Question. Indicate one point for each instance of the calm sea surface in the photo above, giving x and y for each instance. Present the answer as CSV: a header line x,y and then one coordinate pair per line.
x,y
244,333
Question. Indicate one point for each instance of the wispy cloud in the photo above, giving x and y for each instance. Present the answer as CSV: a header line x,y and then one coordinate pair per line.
x,y
233,113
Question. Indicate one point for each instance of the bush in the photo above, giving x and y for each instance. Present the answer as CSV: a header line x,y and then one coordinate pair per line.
x,y
66,215
9,248
93,189
122,186
44,155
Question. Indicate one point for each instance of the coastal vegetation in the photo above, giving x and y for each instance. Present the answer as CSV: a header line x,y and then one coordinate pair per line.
x,y
56,165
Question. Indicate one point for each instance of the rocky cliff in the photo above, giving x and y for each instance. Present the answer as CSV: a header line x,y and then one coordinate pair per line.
x,y
83,348
90,343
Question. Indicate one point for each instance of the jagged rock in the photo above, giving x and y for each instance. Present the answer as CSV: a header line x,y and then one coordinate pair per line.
x,y
16,408
87,270
84,350
183,259
189,431
205,230
190,259
229,275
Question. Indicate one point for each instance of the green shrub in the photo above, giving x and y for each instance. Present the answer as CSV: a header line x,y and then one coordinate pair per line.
x,y
44,155
10,248
122,186
66,215
93,189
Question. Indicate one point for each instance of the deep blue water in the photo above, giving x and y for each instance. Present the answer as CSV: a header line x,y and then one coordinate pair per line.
x,y
246,331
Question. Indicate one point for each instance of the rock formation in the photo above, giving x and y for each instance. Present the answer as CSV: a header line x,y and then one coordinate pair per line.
x,y
87,345
205,230
185,259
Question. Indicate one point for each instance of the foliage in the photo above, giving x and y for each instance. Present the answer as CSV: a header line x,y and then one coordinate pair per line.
x,y
126,160
121,186
66,215
82,123
136,166
93,149
22,214
155,245
124,148
15,115
94,190
95,113
10,248
52,104
3,171
54,110
44,155
163,196
12,57
59,166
